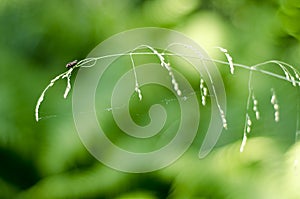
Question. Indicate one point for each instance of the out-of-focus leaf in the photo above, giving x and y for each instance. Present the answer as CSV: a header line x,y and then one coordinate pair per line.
x,y
290,16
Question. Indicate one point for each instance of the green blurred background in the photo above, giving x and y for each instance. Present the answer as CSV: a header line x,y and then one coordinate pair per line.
x,y
47,159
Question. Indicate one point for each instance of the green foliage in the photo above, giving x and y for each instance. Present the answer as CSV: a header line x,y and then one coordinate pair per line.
x,y
290,15
47,159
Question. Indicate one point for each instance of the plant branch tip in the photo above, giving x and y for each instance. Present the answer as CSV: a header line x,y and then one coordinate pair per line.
x,y
288,73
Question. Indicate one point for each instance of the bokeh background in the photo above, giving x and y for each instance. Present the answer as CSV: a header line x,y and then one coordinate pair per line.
x,y
47,159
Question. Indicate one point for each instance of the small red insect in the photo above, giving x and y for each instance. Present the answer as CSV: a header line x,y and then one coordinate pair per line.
x,y
71,64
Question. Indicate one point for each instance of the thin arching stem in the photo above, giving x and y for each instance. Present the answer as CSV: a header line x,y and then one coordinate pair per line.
x,y
90,62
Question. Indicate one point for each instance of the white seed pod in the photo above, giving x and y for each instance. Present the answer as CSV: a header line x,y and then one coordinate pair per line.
x,y
229,59
249,123
248,129
293,81
276,116
257,115
255,102
243,143
255,107
273,98
203,100
179,92
275,104
205,91
224,121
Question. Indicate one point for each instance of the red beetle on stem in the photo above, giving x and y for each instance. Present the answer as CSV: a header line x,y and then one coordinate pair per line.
x,y
71,64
